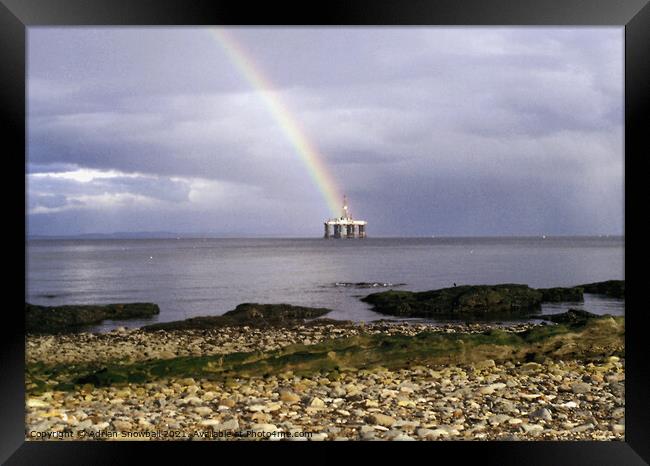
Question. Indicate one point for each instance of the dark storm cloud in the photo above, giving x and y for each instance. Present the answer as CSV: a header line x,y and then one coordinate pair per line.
x,y
438,130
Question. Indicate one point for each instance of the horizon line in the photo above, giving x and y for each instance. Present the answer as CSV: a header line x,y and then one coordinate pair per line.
x,y
173,235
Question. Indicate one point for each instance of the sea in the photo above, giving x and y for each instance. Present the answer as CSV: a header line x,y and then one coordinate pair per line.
x,y
209,276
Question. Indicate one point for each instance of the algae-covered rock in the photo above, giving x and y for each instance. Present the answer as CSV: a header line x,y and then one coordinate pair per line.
x,y
53,319
478,299
558,295
572,316
251,314
595,338
613,288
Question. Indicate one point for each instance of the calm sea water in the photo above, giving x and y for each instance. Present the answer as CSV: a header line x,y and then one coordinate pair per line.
x,y
191,277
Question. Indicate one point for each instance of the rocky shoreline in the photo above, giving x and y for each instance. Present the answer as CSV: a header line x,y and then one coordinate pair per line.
x,y
562,396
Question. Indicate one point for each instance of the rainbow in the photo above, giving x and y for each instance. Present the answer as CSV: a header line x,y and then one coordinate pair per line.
x,y
307,152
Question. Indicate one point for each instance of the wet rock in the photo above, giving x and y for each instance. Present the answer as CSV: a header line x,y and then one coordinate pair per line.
x,y
572,316
557,295
479,299
613,288
70,318
247,314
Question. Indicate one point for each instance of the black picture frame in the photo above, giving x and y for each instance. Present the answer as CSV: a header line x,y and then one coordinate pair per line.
x,y
633,15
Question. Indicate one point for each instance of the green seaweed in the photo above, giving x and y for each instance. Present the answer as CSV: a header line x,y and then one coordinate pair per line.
x,y
590,339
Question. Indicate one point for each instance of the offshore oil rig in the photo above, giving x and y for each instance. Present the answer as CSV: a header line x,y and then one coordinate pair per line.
x,y
345,226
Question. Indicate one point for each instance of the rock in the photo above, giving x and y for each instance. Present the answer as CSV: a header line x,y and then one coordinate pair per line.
x,y
289,397
598,336
572,316
580,387
227,402
557,295
490,389
613,288
210,422
317,403
530,367
192,400
247,314
382,420
532,429
480,299
497,419
583,428
36,403
569,405
271,407
70,318
618,428
230,424
261,418
486,364
264,427
542,413
122,425
203,410
618,389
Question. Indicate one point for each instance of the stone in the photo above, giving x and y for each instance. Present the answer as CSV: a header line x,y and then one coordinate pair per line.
x,y
227,402
498,419
289,397
122,425
382,420
485,364
618,428
580,387
210,422
530,367
542,413
261,418
230,424
569,405
317,403
36,403
203,410
532,429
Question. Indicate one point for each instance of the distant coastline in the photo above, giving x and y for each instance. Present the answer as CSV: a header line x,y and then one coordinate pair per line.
x,y
172,235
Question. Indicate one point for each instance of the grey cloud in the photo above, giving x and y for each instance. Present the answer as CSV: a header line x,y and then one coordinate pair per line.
x,y
480,130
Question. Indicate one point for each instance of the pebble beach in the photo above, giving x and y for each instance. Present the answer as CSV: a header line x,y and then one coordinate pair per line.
x,y
548,400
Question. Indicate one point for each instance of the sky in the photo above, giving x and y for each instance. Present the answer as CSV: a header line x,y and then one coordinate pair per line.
x,y
428,131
